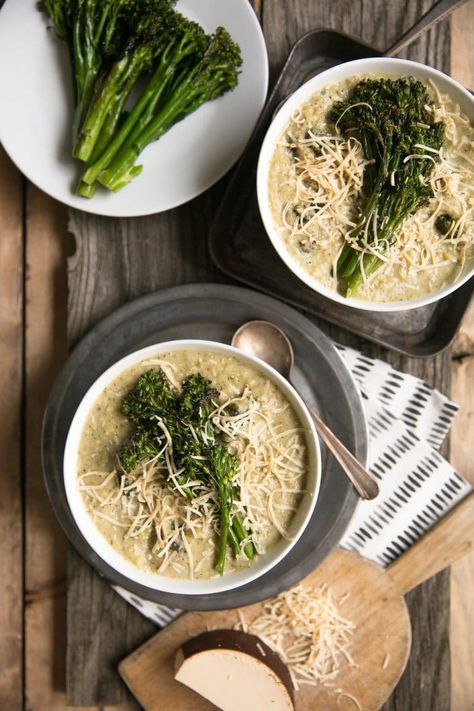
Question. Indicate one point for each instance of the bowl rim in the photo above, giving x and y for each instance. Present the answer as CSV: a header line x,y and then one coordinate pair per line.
x,y
116,560
274,132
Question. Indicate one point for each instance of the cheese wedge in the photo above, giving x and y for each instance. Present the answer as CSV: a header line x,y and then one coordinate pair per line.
x,y
235,671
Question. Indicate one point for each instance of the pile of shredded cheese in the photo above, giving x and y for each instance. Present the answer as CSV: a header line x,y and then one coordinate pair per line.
x,y
320,197
305,627
326,175
270,475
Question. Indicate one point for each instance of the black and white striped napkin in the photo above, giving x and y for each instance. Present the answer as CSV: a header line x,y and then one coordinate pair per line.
x,y
407,421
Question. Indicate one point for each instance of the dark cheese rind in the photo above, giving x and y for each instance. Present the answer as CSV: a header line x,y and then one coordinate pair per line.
x,y
242,642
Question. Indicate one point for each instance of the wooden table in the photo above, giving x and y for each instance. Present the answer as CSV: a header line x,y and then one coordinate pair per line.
x,y
110,262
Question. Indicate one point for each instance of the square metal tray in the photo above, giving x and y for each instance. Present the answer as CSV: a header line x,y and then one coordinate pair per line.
x,y
240,247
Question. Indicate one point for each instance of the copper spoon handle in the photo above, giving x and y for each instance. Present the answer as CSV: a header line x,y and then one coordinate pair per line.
x,y
365,485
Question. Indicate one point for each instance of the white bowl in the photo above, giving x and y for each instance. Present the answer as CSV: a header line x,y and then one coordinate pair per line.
x,y
372,65
160,582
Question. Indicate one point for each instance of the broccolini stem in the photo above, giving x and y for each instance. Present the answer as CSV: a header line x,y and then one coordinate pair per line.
x,y
344,258
122,169
85,190
233,542
106,134
223,538
145,105
86,65
111,120
242,534
371,263
249,550
117,175
349,257
118,81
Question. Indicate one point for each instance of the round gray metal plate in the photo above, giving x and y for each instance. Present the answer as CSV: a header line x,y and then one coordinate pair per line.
x,y
214,311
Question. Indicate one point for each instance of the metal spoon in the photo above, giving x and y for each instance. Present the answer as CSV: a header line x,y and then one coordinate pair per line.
x,y
266,341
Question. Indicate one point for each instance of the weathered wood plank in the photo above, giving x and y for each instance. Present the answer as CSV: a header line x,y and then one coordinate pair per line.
x,y
462,647
45,351
462,572
11,392
47,246
117,260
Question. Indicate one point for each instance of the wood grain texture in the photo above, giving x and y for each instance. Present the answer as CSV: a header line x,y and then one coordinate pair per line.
x,y
462,573
11,387
450,539
462,646
117,260
462,438
374,605
47,246
462,433
45,351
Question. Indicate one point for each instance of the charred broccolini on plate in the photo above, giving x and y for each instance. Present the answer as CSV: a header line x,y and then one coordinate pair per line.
x,y
138,67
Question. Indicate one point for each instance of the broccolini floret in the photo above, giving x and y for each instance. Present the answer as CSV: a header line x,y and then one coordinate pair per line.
x,y
94,32
197,450
391,119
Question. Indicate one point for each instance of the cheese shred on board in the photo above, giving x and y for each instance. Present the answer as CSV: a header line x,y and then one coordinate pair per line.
x,y
304,626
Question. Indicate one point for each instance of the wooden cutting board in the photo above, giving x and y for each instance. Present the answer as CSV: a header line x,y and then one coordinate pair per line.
x,y
381,642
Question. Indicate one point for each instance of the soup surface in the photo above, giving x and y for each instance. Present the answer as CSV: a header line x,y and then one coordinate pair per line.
x,y
148,520
315,184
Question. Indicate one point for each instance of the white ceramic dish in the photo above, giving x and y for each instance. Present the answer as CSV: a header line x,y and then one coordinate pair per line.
x,y
153,580
335,74
35,120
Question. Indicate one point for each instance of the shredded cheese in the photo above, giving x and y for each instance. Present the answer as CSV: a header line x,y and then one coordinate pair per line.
x,y
343,694
270,477
304,626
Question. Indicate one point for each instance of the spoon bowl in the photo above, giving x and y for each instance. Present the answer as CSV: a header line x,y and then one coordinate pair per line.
x,y
266,341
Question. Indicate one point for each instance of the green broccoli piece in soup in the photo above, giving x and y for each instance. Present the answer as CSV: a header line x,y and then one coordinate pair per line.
x,y
142,446
391,119
444,223
196,398
180,423
152,397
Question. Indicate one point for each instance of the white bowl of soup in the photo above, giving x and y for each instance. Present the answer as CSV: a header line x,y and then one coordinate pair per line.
x,y
191,467
315,185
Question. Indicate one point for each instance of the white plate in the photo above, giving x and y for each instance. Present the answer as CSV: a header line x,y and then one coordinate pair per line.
x,y
36,111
